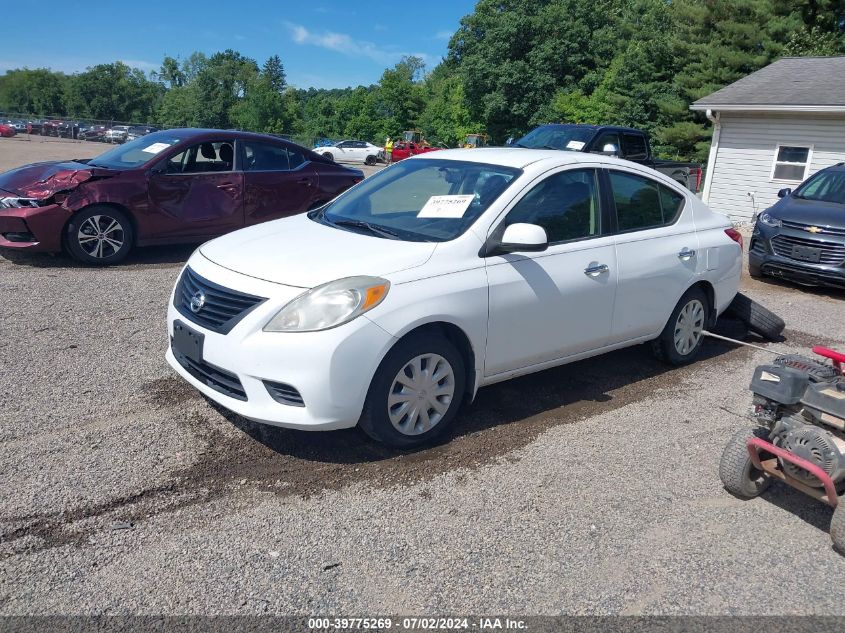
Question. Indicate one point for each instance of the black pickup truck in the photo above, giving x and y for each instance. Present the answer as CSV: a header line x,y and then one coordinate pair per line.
x,y
610,140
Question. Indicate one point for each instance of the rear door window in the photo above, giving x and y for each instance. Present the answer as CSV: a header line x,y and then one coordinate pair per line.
x,y
634,147
642,203
269,157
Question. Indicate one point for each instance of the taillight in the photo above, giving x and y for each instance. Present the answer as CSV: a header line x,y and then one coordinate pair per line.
x,y
736,236
695,172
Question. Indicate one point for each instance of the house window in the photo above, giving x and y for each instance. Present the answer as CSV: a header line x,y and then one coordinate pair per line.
x,y
791,163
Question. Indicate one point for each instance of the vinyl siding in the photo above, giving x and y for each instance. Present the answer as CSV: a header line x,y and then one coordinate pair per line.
x,y
746,153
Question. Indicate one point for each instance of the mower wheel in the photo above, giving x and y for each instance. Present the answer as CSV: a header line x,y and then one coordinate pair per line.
x,y
758,319
736,471
837,526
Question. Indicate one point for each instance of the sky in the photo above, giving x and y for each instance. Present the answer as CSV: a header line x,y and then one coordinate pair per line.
x,y
322,43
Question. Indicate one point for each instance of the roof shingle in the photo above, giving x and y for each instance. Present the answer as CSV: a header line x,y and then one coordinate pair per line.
x,y
791,81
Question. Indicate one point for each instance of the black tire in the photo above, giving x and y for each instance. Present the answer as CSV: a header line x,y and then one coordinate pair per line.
x,y
110,246
329,156
370,160
758,319
736,471
664,346
375,419
837,526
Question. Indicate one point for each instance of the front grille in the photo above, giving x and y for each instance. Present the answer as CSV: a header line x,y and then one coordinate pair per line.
x,y
832,254
284,394
803,227
216,378
221,309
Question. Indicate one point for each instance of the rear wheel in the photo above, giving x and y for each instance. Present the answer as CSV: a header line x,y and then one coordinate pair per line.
x,y
99,235
681,339
837,526
328,155
415,393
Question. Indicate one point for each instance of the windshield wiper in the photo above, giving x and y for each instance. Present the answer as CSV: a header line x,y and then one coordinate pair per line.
x,y
372,228
519,145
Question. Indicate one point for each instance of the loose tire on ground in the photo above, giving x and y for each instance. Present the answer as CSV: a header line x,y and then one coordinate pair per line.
x,y
376,418
837,526
759,320
100,235
665,347
736,471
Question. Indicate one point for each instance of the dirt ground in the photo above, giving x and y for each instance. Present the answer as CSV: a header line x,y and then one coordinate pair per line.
x,y
587,489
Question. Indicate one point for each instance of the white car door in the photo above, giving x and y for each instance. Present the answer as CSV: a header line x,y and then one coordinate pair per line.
x,y
559,302
656,250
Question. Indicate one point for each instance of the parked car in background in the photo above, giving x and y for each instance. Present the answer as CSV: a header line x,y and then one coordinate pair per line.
x,y
389,307
405,149
183,185
351,151
610,140
802,237
7,130
137,131
117,134
93,133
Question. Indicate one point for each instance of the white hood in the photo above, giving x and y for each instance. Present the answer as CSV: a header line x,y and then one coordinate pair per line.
x,y
300,252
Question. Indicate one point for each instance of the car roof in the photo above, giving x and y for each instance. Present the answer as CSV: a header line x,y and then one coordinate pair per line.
x,y
519,157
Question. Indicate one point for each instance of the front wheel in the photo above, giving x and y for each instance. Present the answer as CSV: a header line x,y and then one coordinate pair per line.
x,y
329,156
680,341
99,236
416,392
370,160
737,472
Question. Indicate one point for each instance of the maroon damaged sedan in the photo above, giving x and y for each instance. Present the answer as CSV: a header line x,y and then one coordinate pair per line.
x,y
168,187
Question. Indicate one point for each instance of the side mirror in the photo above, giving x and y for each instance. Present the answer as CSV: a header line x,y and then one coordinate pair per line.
x,y
517,238
610,150
784,192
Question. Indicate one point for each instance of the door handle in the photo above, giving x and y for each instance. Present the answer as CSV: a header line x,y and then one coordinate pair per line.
x,y
686,254
227,185
304,181
595,270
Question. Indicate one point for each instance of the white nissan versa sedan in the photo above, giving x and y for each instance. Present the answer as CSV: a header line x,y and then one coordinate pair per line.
x,y
394,303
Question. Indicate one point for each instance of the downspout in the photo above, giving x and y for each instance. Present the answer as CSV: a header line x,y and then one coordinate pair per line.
x,y
714,149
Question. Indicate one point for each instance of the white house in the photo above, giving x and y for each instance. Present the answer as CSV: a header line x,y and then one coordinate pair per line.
x,y
772,129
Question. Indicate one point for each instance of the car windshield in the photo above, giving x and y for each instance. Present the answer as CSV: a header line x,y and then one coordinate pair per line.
x,y
566,137
827,186
420,200
135,153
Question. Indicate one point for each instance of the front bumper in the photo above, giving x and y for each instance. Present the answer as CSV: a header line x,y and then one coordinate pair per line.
x,y
34,229
331,369
762,257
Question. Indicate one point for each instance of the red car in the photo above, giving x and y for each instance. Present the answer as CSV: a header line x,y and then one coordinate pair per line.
x,y
402,150
7,130
174,186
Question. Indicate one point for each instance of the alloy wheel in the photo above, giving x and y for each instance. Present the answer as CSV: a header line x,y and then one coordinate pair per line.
x,y
689,326
421,394
101,236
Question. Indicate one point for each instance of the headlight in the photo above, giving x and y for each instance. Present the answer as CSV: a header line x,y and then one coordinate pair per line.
x,y
330,305
17,203
768,220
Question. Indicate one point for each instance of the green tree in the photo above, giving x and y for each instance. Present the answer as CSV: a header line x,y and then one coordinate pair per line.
x,y
113,92
35,91
274,73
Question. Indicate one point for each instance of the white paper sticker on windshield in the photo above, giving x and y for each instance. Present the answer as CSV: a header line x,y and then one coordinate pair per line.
x,y
576,145
445,206
155,148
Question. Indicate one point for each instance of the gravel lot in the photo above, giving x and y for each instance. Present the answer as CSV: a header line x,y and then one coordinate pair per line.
x,y
588,489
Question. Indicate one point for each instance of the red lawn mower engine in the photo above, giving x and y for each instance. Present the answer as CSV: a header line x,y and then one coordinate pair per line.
x,y
802,401
799,405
